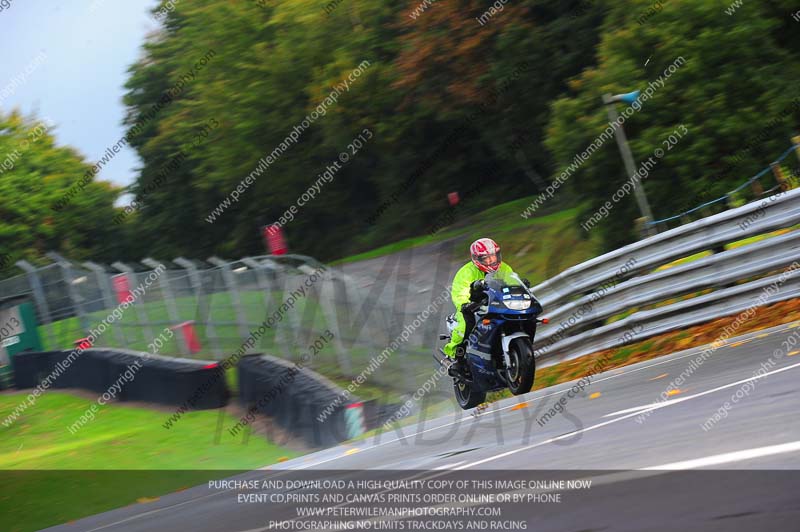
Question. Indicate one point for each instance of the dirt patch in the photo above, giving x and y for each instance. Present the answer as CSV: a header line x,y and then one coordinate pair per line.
x,y
265,427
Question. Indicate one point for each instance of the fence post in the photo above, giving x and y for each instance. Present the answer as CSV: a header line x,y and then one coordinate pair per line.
x,y
230,284
169,301
777,171
265,286
103,283
295,322
141,315
757,188
202,302
373,333
281,289
39,298
328,301
75,298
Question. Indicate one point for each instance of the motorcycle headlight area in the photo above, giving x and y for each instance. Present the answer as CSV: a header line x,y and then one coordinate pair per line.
x,y
517,304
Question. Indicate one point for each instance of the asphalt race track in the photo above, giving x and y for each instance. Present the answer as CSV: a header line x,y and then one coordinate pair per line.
x,y
648,459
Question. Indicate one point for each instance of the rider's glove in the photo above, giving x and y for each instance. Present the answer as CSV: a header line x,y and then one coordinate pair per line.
x,y
470,307
526,282
476,290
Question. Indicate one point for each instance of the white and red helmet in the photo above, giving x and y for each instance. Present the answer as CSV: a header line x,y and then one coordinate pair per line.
x,y
486,255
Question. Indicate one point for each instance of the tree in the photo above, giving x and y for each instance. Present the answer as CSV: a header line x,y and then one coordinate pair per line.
x,y
736,80
46,201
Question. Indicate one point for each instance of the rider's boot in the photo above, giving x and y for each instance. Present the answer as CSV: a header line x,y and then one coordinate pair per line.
x,y
458,368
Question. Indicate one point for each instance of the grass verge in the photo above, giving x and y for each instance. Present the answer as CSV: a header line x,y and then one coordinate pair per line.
x,y
125,456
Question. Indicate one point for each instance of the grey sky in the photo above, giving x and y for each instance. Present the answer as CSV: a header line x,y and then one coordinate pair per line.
x,y
78,53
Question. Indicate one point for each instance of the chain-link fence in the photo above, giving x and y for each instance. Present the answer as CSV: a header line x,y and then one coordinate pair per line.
x,y
207,310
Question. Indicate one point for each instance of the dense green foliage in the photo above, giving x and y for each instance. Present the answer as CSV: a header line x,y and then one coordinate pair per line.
x,y
36,178
453,106
493,110
732,95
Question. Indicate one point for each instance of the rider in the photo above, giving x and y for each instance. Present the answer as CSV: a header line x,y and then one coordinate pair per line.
x,y
466,296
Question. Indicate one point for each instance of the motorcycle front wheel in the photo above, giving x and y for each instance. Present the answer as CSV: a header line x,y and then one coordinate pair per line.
x,y
523,366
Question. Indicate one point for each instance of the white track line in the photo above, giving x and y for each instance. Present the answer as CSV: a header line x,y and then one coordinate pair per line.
x,y
634,409
658,362
448,466
639,408
637,473
450,424
615,420
727,458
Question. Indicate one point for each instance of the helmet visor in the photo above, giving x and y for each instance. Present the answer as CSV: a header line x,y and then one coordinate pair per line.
x,y
491,260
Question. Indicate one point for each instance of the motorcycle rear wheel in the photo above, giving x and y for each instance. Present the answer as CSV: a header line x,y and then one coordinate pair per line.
x,y
467,397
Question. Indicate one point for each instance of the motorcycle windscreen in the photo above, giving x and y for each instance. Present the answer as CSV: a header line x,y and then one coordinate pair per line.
x,y
512,288
499,279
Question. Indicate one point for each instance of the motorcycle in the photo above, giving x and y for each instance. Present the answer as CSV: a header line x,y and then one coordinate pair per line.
x,y
499,350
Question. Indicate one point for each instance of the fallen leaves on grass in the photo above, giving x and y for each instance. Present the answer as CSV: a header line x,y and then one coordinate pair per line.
x,y
656,346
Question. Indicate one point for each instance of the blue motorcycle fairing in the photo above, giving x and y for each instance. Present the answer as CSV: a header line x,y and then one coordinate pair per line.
x,y
484,349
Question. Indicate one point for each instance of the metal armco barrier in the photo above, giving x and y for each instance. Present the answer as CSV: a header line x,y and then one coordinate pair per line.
x,y
701,235
693,311
716,270
577,303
